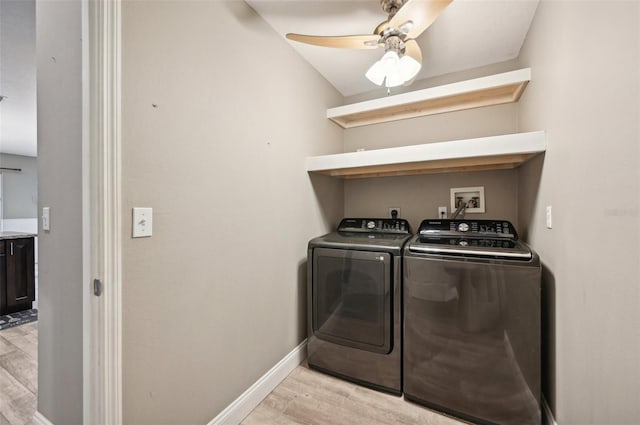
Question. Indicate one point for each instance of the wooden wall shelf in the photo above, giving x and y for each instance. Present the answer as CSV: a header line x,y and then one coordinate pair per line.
x,y
486,91
486,153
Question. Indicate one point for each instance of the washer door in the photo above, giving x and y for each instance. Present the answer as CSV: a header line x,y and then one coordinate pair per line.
x,y
352,298
472,337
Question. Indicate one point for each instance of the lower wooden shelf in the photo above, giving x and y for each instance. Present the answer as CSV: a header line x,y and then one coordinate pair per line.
x,y
486,153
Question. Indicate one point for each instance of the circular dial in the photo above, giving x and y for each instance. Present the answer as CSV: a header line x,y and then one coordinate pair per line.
x,y
463,227
371,224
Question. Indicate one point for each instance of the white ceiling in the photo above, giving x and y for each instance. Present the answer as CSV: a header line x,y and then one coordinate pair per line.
x,y
468,34
18,77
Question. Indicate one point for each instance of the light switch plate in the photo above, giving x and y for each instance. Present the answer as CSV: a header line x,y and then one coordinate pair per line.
x,y
142,222
46,219
549,217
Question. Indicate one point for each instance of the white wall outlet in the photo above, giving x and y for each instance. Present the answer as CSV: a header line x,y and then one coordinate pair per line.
x,y
472,197
46,219
142,222
392,209
549,217
442,212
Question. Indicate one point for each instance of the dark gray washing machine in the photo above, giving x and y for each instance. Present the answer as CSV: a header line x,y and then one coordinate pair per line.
x,y
472,322
354,302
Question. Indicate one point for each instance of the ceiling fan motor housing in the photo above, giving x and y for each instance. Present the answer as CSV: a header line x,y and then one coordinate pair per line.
x,y
395,44
392,6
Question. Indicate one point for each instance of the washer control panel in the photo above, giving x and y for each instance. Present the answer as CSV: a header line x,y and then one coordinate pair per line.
x,y
375,225
470,228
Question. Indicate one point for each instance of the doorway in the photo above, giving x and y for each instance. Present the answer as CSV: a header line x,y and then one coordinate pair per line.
x,y
78,340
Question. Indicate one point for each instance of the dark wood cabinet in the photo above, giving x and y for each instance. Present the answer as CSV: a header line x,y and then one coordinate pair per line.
x,y
17,275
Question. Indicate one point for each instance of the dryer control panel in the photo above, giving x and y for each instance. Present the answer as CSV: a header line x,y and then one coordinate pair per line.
x,y
375,225
468,228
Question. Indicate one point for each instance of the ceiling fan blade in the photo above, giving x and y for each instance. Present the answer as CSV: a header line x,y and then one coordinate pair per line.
x,y
412,49
421,14
369,41
381,27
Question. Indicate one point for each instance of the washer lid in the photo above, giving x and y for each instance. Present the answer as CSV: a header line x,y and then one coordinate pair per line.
x,y
492,229
361,241
473,238
472,247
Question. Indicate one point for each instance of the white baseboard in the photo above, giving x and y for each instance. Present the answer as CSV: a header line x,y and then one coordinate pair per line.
x,y
40,419
547,414
243,405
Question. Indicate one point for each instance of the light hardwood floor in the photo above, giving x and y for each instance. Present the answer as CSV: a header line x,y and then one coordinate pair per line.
x,y
18,374
307,397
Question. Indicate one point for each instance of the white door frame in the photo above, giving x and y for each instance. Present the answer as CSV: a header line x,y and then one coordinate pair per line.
x,y
102,329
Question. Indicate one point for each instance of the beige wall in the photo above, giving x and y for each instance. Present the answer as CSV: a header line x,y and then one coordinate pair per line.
x,y
19,189
204,316
60,288
420,196
216,297
585,93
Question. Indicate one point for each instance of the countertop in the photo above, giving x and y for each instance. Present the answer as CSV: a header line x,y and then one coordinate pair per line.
x,y
16,235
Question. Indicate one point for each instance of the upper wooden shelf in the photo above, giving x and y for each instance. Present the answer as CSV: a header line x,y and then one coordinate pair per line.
x,y
486,153
476,93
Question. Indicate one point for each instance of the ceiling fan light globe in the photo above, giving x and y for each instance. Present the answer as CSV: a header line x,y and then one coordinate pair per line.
x,y
376,74
392,71
409,67
390,61
394,78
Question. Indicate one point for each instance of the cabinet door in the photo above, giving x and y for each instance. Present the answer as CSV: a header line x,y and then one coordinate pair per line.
x,y
3,279
19,256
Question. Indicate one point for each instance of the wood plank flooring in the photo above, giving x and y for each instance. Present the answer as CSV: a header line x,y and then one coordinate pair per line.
x,y
307,397
18,374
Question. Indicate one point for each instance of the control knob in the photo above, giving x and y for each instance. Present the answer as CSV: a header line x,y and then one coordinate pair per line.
x,y
463,227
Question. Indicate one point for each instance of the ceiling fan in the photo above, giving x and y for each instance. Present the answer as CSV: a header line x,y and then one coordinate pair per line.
x,y
402,59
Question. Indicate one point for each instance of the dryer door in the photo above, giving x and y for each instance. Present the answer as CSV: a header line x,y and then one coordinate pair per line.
x,y
352,298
